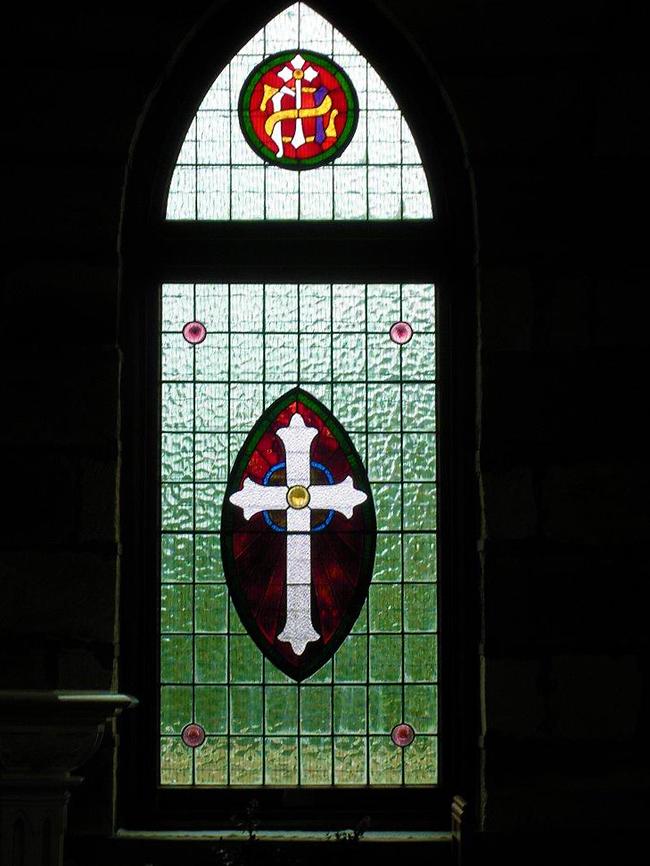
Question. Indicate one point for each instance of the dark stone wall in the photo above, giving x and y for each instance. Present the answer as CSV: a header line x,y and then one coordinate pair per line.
x,y
550,101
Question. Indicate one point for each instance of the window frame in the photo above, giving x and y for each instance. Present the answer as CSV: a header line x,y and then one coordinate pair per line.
x,y
154,251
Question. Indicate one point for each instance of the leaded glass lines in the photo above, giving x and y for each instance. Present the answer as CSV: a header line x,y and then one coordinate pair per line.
x,y
261,728
378,176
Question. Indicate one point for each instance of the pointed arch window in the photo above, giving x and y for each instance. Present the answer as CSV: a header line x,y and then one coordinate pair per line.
x,y
297,618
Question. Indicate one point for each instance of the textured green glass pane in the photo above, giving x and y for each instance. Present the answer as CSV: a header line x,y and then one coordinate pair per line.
x,y
176,607
208,558
385,761
176,463
245,761
282,710
322,675
236,625
419,506
177,406
385,607
176,659
177,358
388,505
175,762
209,501
177,306
388,557
175,708
315,307
384,452
420,607
245,661
385,658
245,406
281,765
210,607
350,406
212,406
419,403
176,558
384,708
281,358
210,661
420,658
419,457
350,760
321,391
211,359
315,709
246,352
211,305
273,675
383,358
349,356
360,441
420,557
176,506
419,306
419,357
211,708
316,761
361,622
246,709
236,440
421,708
211,762
315,358
349,709
383,306
384,407
211,456
246,305
349,307
350,661
421,761
281,307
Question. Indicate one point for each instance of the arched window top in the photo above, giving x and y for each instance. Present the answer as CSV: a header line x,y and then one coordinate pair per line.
x,y
375,171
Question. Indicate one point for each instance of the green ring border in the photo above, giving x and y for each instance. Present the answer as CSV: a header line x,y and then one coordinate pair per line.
x,y
262,150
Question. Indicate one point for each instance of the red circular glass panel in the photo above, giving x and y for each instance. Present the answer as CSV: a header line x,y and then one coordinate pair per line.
x,y
401,332
193,735
195,332
402,735
298,109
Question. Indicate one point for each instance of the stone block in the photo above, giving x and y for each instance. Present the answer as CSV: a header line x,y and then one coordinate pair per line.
x,y
506,309
510,510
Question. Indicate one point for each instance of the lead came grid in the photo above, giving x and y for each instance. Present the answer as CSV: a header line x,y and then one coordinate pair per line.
x,y
378,176
262,728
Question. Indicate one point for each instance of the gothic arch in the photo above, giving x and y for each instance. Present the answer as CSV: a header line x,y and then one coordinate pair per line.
x,y
152,251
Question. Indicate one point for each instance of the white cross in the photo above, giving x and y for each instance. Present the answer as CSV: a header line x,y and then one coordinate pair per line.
x,y
298,498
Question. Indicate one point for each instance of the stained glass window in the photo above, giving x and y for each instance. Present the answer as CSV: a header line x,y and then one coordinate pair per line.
x,y
229,716
226,172
298,513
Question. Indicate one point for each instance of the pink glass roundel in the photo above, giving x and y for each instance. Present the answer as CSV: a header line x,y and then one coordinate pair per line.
x,y
401,332
193,735
402,734
194,332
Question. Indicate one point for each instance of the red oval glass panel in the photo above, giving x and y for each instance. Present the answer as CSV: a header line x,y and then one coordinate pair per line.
x,y
298,534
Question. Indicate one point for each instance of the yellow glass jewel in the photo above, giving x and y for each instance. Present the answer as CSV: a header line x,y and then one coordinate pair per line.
x,y
298,496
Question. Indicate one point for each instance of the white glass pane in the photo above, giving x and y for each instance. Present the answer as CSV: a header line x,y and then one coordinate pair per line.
x,y
350,193
213,192
316,193
248,192
384,192
281,194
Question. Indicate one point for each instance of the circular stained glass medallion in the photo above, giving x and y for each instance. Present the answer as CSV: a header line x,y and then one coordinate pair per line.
x,y
401,333
298,109
193,735
194,332
402,734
